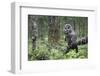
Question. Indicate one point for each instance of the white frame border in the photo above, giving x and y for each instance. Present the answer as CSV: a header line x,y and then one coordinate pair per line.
x,y
16,29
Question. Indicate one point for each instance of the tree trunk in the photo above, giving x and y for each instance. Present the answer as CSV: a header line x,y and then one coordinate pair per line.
x,y
54,30
34,30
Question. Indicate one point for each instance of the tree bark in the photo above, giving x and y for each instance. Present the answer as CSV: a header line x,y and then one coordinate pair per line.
x,y
54,30
34,30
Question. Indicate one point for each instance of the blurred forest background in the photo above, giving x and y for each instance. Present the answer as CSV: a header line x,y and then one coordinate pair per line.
x,y
46,37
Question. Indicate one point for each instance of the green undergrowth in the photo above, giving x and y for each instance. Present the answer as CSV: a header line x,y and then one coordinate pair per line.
x,y
45,51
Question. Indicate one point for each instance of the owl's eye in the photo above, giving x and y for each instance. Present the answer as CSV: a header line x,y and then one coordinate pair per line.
x,y
68,27
65,28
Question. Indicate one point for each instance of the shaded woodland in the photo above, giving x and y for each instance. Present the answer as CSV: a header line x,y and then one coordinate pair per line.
x,y
46,37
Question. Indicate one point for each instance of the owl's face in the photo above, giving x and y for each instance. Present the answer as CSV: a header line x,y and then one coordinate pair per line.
x,y
67,29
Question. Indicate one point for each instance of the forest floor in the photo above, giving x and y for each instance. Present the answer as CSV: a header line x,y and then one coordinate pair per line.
x,y
44,51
